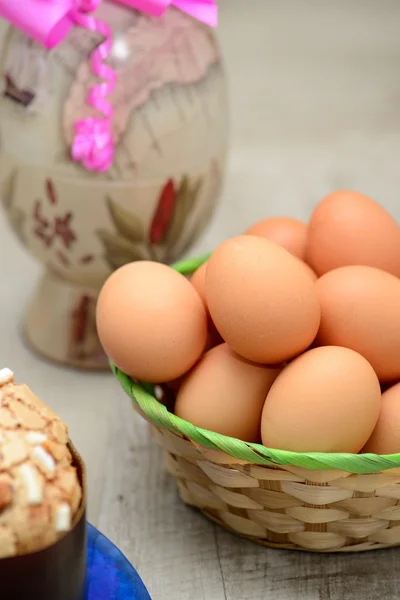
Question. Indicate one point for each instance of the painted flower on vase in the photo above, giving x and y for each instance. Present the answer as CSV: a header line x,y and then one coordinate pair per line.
x,y
83,338
55,232
131,242
163,214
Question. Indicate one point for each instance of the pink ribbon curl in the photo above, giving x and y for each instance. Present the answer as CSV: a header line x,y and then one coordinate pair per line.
x,y
49,22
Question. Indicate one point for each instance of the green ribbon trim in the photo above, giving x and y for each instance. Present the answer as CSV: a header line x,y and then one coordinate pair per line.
x,y
141,395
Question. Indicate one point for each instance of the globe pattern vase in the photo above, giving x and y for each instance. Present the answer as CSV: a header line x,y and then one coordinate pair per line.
x,y
170,127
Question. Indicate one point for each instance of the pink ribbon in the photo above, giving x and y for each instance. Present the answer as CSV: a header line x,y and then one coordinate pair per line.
x,y
49,22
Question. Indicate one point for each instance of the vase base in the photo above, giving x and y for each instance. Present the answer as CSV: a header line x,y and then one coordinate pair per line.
x,y
60,324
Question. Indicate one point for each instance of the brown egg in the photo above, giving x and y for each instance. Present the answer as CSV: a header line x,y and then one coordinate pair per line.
x,y
225,393
261,299
361,310
151,321
385,438
326,400
198,280
309,271
289,233
348,228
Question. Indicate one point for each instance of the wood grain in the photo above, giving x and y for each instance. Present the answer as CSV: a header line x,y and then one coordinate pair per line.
x,y
172,547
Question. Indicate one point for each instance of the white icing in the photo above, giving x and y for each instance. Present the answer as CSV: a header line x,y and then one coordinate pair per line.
x,y
44,458
63,518
35,437
33,488
6,376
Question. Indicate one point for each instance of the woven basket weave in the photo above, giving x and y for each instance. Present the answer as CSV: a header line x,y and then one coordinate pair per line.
x,y
306,501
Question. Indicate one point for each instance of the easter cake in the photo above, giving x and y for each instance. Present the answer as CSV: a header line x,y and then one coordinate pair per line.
x,y
42,500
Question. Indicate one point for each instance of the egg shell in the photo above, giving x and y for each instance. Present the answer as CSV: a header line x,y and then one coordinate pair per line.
x,y
151,321
310,272
360,309
348,228
385,438
289,233
261,299
225,393
198,280
326,400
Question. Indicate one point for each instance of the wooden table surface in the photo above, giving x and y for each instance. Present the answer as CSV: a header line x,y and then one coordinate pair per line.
x,y
315,102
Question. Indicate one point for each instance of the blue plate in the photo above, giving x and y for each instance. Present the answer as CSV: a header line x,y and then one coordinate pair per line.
x,y
110,576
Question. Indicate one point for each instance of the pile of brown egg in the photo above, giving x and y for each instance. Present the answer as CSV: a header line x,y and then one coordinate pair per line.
x,y
288,335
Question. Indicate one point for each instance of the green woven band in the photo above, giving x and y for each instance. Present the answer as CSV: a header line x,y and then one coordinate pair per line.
x,y
141,394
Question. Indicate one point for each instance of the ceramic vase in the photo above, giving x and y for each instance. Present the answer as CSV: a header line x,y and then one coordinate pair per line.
x,y
170,127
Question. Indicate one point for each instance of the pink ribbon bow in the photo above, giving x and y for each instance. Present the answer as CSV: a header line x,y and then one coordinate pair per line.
x,y
49,21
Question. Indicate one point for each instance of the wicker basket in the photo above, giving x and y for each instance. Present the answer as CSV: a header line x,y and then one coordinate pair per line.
x,y
304,501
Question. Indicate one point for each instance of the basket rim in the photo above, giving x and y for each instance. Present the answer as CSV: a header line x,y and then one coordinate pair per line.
x,y
142,395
